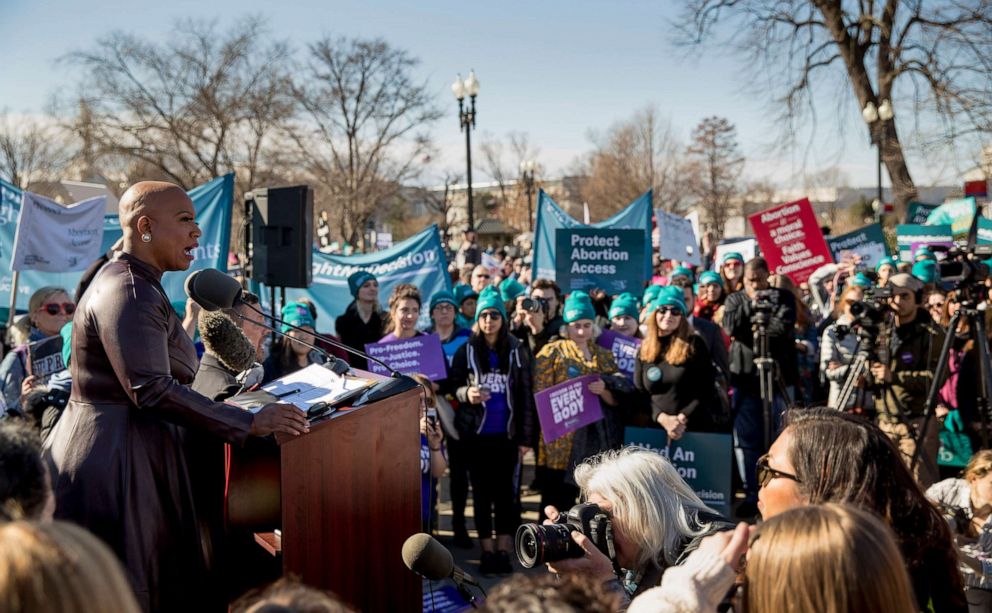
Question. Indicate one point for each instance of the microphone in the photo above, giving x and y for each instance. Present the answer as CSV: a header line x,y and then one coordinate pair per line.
x,y
213,290
334,363
424,555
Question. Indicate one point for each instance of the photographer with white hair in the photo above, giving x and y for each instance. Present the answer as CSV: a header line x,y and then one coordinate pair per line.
x,y
656,518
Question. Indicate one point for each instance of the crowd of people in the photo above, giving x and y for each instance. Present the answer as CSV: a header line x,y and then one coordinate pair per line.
x,y
823,385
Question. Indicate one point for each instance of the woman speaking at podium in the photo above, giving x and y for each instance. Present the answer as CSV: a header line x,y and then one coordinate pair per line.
x,y
116,454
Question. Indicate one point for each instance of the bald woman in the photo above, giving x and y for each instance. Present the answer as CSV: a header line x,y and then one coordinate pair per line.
x,y
117,454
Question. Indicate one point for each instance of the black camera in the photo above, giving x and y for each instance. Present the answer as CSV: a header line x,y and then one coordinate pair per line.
x,y
537,544
961,270
534,305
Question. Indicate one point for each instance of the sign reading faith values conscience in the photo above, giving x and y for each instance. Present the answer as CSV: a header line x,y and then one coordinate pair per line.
x,y
791,239
420,354
624,349
612,260
702,459
868,242
566,407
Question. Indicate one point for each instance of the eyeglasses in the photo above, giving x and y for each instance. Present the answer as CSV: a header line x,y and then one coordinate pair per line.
x,y
669,310
54,308
766,473
490,315
483,276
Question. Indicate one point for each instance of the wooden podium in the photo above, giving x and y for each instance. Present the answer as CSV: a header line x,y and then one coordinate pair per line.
x,y
349,494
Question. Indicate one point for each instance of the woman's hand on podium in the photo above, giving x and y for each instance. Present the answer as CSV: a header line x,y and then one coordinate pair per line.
x,y
279,417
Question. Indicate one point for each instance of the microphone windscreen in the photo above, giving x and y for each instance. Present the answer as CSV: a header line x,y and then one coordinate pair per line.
x,y
428,558
223,339
212,288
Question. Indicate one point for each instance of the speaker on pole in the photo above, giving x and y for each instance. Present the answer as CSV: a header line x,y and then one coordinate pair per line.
x,y
280,237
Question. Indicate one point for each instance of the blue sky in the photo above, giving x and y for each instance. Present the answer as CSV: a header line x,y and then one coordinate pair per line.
x,y
552,69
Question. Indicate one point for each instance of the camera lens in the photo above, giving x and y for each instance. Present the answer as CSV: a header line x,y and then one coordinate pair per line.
x,y
537,544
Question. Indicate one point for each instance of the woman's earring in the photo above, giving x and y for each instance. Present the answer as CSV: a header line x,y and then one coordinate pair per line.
x,y
146,237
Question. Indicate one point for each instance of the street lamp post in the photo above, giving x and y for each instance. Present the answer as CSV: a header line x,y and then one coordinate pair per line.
x,y
876,117
527,168
466,117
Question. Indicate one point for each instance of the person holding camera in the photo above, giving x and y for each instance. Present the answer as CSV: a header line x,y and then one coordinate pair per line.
x,y
530,323
496,422
837,349
758,308
914,350
655,518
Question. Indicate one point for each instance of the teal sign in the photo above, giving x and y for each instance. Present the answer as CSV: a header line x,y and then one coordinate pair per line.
x,y
701,458
918,212
868,242
602,258
910,237
957,213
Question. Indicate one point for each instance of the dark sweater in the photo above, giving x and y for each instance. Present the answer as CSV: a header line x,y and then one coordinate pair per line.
x,y
687,388
355,333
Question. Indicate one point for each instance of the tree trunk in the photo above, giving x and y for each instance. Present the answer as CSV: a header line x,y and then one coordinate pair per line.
x,y
903,188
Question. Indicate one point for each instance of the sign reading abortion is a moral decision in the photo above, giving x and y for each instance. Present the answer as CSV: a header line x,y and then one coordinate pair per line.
x,y
566,407
791,240
612,260
420,354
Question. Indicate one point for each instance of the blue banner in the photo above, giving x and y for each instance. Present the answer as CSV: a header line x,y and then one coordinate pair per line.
x,y
550,217
212,202
419,260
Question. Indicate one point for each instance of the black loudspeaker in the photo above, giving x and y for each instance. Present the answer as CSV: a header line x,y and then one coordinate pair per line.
x,y
281,235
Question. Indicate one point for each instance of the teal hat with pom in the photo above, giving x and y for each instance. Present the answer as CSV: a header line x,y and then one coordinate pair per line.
x,y
443,297
731,255
358,279
509,289
887,261
670,296
860,280
650,294
681,271
625,304
463,292
489,298
578,306
297,314
926,271
924,253
709,277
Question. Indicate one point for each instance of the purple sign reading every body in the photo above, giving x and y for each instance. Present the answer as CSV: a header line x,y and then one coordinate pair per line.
x,y
566,407
420,354
624,349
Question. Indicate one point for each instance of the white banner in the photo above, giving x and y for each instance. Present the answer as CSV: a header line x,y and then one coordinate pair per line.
x,y
56,238
676,238
746,248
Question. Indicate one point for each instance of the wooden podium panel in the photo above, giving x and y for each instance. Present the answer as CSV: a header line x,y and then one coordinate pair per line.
x,y
350,498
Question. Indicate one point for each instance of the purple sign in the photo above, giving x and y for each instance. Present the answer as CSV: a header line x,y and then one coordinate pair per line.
x,y
624,349
420,354
566,407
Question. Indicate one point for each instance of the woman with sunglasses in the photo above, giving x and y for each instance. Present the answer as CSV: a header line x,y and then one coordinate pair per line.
x,y
496,422
49,308
673,369
824,455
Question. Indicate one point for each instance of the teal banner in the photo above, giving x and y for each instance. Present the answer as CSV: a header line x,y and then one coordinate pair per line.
x,y
418,260
868,242
550,217
702,459
984,231
917,212
957,213
597,258
910,237
212,202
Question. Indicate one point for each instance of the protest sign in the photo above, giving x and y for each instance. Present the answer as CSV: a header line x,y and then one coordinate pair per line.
x,y
909,237
868,242
748,248
957,213
45,358
791,240
984,231
609,259
566,407
677,238
624,349
55,238
550,217
702,459
917,212
420,354
418,260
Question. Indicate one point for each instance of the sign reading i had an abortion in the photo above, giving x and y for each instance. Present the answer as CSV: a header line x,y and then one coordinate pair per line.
x,y
624,349
566,407
420,354
608,259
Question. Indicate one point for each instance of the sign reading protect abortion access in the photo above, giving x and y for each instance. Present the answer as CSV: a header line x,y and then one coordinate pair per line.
x,y
566,407
611,260
791,240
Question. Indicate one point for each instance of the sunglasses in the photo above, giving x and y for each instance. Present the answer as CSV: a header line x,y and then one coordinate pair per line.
x,y
766,473
669,310
54,308
483,276
490,315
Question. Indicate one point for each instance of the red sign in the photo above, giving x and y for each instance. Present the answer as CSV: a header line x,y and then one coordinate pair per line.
x,y
791,240
978,189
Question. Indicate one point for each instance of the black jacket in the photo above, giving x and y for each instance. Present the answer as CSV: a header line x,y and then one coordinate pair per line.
x,y
737,313
467,367
355,333
713,337
686,389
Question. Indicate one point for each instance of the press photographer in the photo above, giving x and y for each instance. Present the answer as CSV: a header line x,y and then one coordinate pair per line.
x,y
770,311
906,376
530,323
639,518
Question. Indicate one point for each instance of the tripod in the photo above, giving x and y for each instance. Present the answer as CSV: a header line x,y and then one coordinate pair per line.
x,y
768,375
864,355
976,328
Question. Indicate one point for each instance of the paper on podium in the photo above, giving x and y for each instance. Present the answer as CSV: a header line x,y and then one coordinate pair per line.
x,y
307,387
